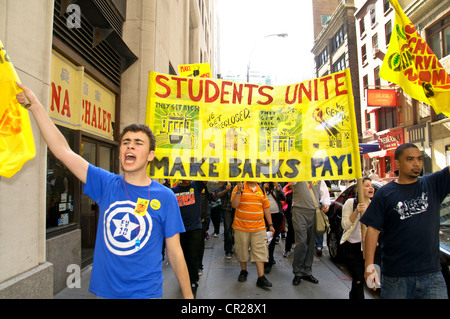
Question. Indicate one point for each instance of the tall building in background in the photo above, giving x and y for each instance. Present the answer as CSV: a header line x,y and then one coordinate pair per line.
x,y
88,61
322,11
335,47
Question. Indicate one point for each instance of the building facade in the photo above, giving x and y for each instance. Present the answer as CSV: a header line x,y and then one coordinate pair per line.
x,y
389,117
335,47
88,61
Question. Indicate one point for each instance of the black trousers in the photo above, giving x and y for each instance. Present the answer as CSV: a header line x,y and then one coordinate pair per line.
x,y
277,219
191,245
228,217
355,263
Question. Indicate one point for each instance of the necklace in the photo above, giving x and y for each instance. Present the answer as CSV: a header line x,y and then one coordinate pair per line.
x,y
140,209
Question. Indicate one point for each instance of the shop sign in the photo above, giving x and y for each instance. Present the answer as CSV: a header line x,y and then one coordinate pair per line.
x,y
390,139
79,102
377,97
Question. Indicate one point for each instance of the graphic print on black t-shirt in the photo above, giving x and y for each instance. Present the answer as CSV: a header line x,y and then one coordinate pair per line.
x,y
186,198
412,207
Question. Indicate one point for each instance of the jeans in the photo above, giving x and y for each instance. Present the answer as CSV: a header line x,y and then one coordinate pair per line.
x,y
429,286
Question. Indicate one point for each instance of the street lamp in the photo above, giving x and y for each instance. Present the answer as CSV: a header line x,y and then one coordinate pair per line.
x,y
281,35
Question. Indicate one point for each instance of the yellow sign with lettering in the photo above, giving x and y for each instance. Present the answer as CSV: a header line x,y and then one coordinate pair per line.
x,y
79,102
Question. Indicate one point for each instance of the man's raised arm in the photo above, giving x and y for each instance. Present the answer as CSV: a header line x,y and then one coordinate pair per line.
x,y
53,137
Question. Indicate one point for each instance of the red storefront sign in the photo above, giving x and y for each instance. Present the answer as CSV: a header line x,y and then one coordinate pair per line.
x,y
378,97
390,139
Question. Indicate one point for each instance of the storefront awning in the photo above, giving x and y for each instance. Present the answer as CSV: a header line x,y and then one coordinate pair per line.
x,y
365,148
381,153
373,109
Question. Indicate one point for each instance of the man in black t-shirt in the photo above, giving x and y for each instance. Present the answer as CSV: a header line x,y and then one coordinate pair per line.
x,y
407,213
189,199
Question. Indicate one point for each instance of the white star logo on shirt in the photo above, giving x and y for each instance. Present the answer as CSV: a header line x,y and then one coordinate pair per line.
x,y
124,227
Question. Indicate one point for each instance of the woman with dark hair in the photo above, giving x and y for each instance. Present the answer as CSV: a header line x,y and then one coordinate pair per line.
x,y
351,238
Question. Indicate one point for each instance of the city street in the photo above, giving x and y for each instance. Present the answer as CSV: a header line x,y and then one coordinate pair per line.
x,y
219,279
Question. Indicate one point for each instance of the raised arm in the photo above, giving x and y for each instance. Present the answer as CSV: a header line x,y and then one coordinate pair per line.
x,y
53,137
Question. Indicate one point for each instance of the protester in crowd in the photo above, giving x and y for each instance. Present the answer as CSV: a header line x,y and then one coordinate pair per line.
x,y
216,211
407,210
275,196
373,175
227,211
205,216
252,206
351,237
131,268
304,222
288,190
188,194
319,238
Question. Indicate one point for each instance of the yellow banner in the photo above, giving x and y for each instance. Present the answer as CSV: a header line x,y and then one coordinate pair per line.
x,y
410,63
210,129
16,138
201,70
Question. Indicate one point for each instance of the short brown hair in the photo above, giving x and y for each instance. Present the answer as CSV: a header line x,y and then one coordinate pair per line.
x,y
140,128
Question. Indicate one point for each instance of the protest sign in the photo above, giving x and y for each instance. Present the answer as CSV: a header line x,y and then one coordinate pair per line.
x,y
202,70
209,129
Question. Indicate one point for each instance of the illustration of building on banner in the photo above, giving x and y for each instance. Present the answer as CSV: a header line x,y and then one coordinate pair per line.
x,y
175,129
281,142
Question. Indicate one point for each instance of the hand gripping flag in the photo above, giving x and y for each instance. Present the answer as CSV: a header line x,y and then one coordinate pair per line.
x,y
412,65
16,137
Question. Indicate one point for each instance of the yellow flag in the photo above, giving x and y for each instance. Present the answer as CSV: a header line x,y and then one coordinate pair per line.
x,y
16,137
411,64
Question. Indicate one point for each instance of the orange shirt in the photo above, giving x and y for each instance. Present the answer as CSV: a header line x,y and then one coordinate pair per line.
x,y
249,216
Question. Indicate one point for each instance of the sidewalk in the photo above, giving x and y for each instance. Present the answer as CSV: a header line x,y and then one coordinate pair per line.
x,y
219,279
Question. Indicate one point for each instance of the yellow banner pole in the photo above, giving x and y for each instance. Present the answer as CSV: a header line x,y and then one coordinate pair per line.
x,y
360,190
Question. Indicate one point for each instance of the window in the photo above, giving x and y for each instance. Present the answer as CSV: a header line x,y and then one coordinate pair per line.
x,y
387,118
365,83
323,57
373,16
375,41
324,19
363,54
438,37
59,188
367,119
376,77
424,110
362,27
338,38
388,32
339,65
386,6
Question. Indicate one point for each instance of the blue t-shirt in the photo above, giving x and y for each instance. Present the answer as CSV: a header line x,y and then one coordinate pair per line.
x,y
189,200
408,216
120,269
